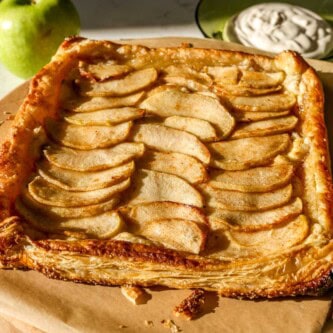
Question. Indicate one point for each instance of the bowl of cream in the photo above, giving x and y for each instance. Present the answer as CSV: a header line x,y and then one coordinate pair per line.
x,y
278,26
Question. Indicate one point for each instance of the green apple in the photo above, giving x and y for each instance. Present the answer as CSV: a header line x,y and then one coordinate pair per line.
x,y
32,30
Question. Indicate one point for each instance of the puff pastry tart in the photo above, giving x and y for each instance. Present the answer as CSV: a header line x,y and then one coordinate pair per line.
x,y
181,167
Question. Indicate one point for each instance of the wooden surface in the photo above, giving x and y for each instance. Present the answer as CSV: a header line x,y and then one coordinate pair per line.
x,y
33,291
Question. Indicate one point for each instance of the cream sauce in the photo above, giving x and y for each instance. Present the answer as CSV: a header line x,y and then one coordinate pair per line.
x,y
276,27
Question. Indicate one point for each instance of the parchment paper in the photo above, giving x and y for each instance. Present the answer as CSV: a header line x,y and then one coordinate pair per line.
x,y
61,307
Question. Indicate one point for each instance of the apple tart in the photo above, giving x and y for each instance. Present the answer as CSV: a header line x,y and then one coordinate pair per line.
x,y
180,167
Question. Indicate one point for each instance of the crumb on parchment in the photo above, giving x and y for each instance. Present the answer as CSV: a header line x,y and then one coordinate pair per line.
x,y
191,305
134,294
168,323
149,323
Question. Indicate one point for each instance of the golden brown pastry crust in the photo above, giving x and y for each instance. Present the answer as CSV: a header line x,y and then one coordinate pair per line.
x,y
306,270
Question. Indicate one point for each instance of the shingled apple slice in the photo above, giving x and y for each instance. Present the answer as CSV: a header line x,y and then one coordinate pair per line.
x,y
260,179
68,212
277,239
168,139
246,201
224,74
181,165
246,116
131,238
161,88
256,79
149,186
267,103
72,180
242,154
191,236
265,127
200,128
238,90
102,70
48,194
188,83
104,117
145,212
188,73
187,77
93,160
176,103
94,136
87,104
233,75
101,226
250,221
129,84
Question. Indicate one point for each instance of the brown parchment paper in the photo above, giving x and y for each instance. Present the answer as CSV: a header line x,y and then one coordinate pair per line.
x,y
29,302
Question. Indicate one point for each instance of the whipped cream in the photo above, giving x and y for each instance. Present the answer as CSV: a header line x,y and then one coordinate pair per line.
x,y
276,27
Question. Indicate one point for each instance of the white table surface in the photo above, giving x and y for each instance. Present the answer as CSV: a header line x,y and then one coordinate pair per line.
x,y
123,19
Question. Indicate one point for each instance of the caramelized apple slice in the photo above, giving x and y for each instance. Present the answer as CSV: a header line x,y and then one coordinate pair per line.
x,y
87,137
249,221
93,160
72,180
103,70
87,104
249,152
101,226
145,212
238,90
176,103
200,128
256,79
234,200
256,116
237,244
177,234
68,212
276,239
48,194
129,237
232,75
265,127
224,74
168,139
183,166
188,73
188,83
129,84
261,179
187,77
104,117
152,186
267,103
165,87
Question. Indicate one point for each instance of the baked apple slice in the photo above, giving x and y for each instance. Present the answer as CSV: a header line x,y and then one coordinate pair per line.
x,y
260,179
181,165
249,221
93,160
245,153
149,186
